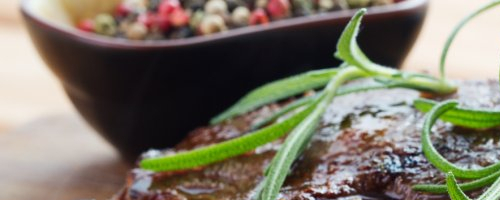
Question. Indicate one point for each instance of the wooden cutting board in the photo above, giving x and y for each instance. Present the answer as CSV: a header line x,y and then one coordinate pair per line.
x,y
58,157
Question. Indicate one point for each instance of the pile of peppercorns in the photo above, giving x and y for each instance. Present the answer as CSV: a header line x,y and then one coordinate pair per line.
x,y
173,19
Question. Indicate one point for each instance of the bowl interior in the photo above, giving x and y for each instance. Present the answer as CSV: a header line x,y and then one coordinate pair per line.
x,y
63,14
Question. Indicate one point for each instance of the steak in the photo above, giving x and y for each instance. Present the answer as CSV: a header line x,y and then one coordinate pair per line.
x,y
366,147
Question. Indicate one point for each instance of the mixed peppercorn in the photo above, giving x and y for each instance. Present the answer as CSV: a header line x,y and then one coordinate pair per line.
x,y
173,19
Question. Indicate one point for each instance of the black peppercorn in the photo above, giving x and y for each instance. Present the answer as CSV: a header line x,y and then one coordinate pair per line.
x,y
233,4
194,5
302,7
152,5
182,32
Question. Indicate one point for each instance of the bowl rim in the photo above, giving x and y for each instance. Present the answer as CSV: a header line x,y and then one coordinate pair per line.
x,y
335,17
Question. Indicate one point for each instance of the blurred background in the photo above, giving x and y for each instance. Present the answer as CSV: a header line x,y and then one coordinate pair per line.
x,y
27,89
30,95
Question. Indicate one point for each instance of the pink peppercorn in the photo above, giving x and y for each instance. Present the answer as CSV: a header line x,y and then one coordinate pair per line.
x,y
147,19
86,25
166,7
258,16
278,8
154,21
162,22
122,10
179,18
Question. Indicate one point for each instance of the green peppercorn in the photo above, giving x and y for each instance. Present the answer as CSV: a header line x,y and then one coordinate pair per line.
x,y
302,7
196,19
358,3
105,24
382,2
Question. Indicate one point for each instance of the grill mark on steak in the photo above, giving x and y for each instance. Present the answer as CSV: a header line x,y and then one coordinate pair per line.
x,y
366,147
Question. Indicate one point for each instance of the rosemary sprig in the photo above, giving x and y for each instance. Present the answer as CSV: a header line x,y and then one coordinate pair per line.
x,y
457,29
493,193
469,186
303,124
217,152
454,189
470,118
308,100
277,90
436,158
462,117
283,111
349,51
300,136
238,146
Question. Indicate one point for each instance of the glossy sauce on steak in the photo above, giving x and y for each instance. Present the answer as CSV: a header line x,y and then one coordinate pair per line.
x,y
366,147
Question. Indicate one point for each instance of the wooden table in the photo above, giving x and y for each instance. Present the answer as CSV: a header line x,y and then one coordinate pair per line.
x,y
48,155
58,157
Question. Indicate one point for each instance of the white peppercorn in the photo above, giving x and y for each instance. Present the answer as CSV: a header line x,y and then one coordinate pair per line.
x,y
136,31
139,6
240,16
216,7
212,24
261,3
326,5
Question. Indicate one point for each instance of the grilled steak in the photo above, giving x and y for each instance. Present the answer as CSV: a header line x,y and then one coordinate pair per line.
x,y
366,147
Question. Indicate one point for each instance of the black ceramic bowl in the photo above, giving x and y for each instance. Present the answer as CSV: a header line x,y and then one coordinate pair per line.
x,y
141,95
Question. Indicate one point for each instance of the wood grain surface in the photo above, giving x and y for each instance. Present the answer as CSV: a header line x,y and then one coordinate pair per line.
x,y
58,158
48,152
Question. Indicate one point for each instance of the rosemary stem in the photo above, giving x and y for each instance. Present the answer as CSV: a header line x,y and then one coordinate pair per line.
x,y
473,185
438,86
454,34
436,158
493,193
301,135
220,151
